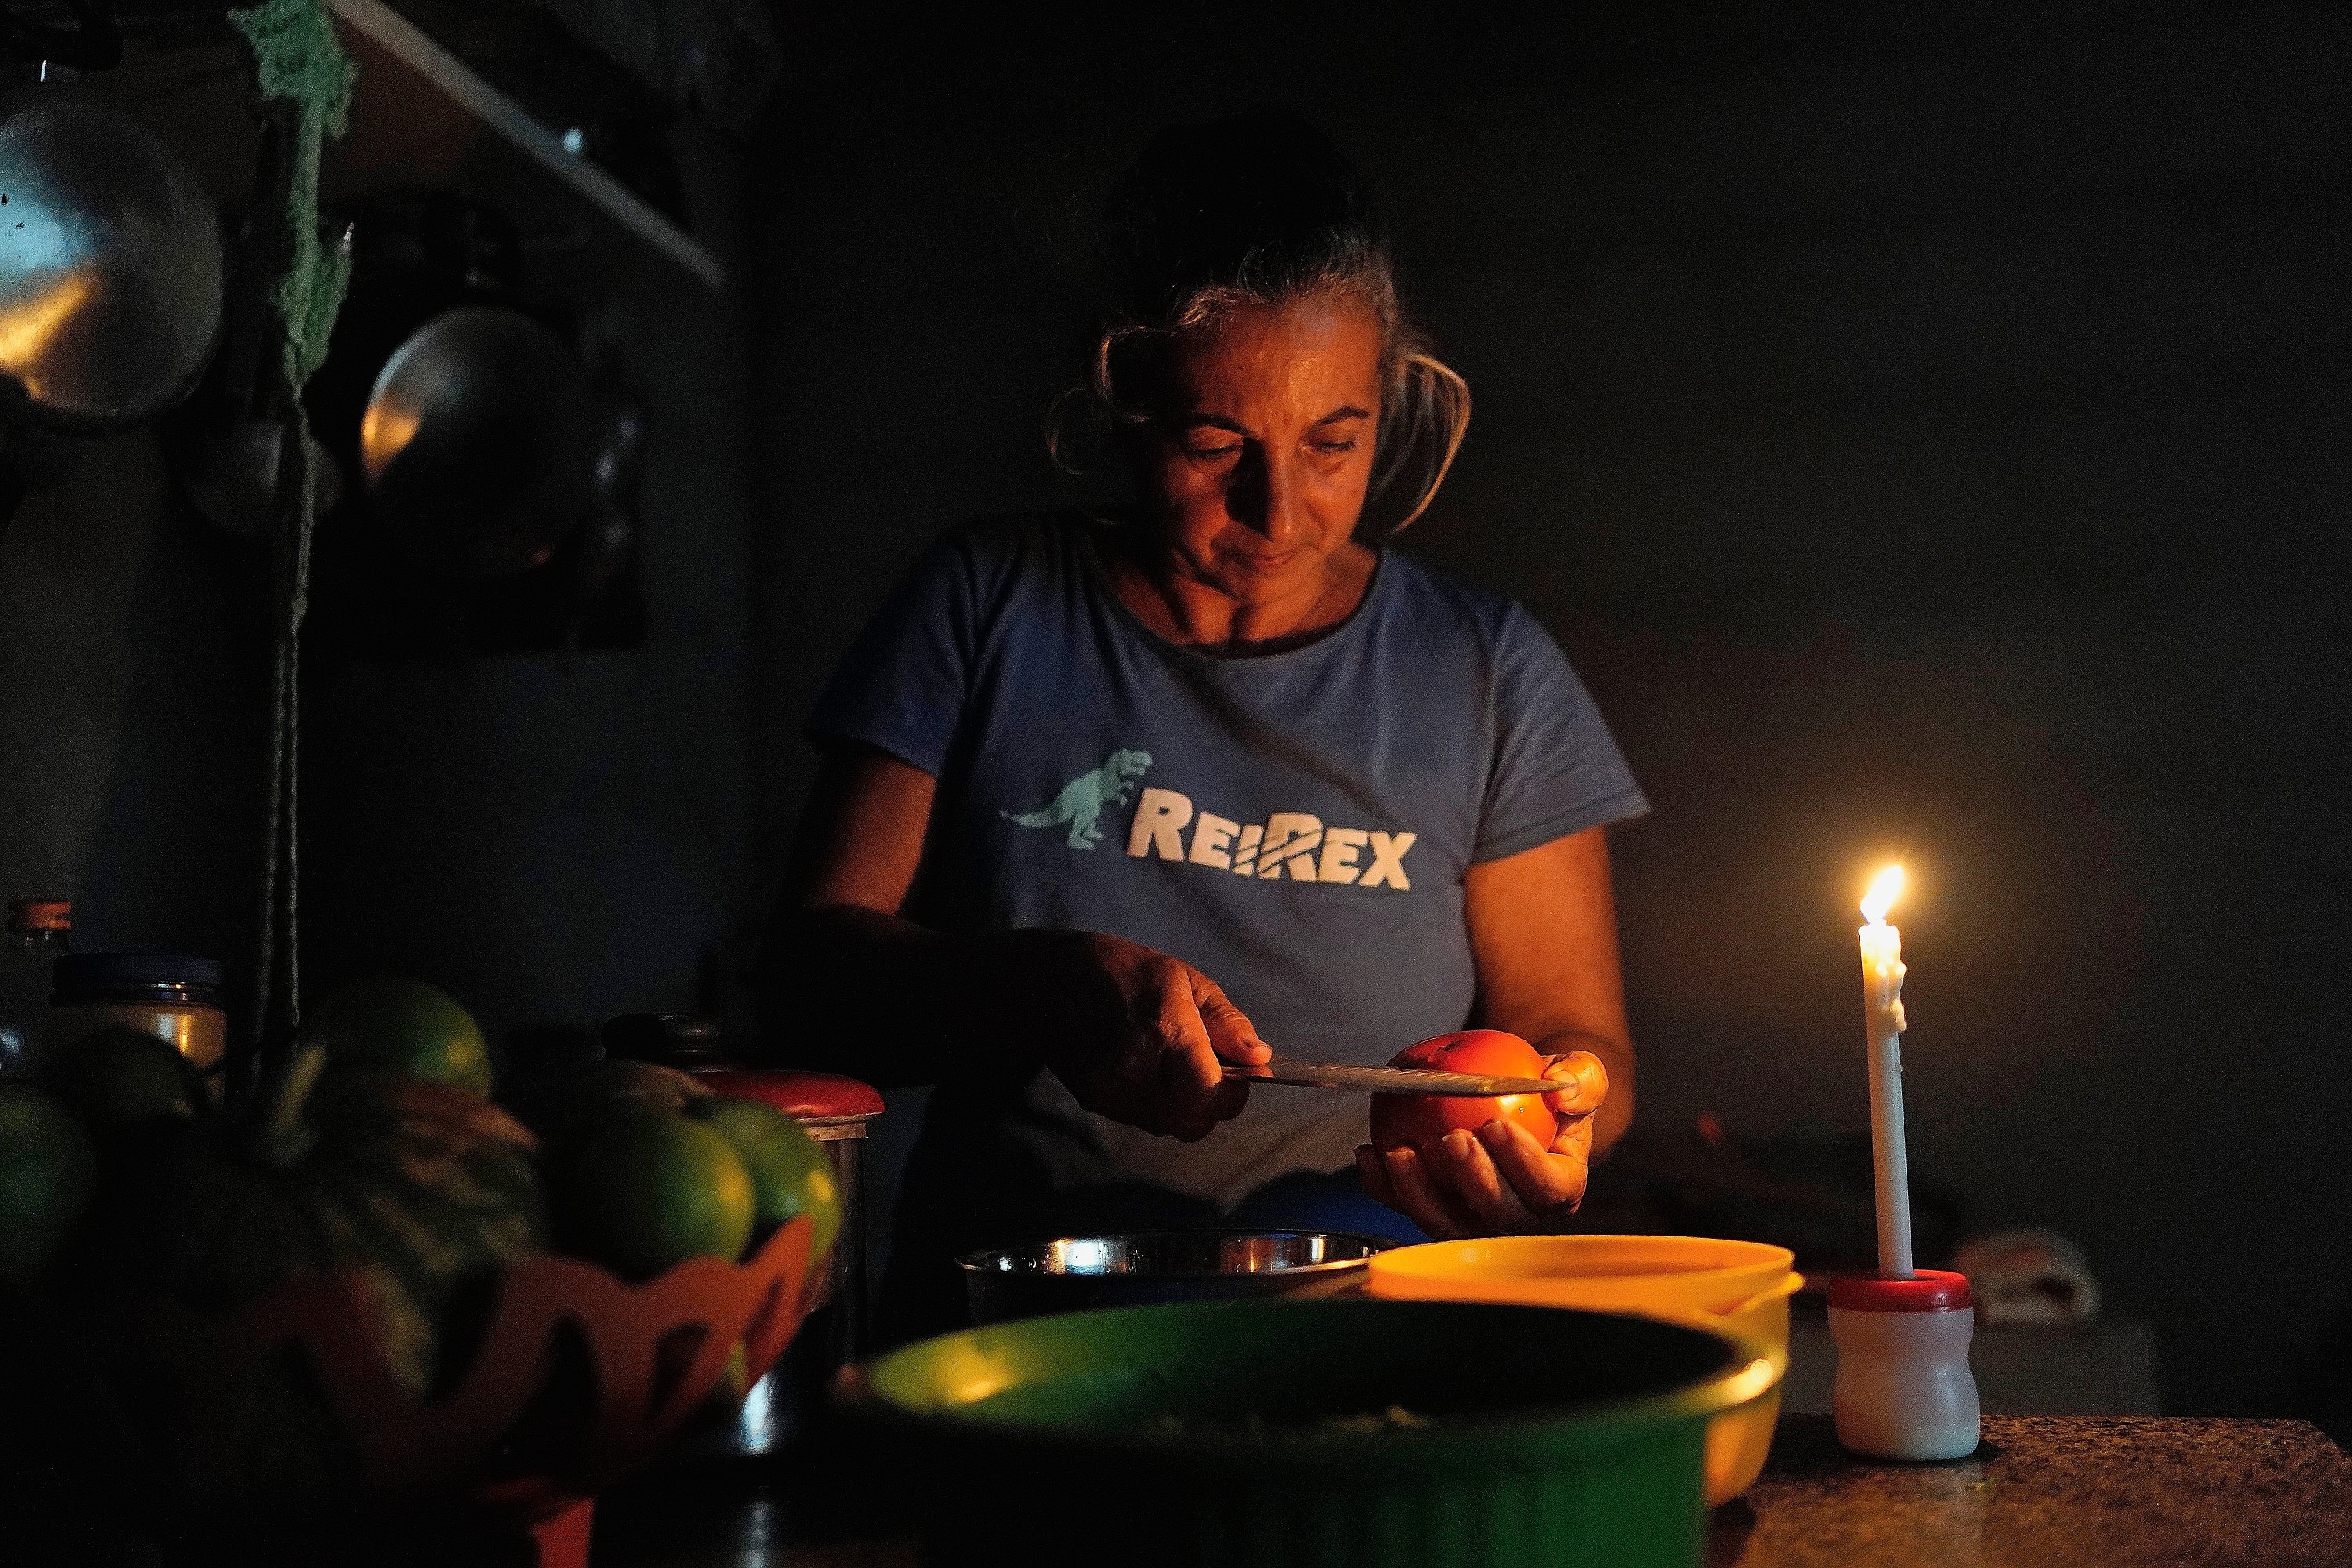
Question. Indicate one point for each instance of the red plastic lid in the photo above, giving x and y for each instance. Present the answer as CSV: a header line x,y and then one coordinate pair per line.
x,y
803,1096
1934,1290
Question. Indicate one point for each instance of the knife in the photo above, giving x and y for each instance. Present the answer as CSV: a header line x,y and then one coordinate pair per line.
x,y
1390,1081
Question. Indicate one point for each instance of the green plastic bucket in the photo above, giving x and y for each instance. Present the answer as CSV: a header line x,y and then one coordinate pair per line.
x,y
1268,1434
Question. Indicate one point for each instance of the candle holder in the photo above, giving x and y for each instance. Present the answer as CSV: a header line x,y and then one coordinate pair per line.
x,y
1904,1390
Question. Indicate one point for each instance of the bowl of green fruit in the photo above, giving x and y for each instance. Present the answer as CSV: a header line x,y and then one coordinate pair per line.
x,y
373,1283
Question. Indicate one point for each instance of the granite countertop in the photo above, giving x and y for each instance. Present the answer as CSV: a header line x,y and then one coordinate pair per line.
x,y
2050,1492
2043,1492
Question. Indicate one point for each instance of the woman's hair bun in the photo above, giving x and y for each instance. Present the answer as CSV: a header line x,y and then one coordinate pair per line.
x,y
1259,202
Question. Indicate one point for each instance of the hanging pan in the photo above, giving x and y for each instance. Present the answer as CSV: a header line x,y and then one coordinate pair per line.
x,y
110,259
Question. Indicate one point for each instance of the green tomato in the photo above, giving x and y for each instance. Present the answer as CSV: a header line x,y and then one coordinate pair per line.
x,y
789,1169
121,1082
403,1027
640,1191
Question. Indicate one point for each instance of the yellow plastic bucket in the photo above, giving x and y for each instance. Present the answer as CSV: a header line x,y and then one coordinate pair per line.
x,y
1737,1288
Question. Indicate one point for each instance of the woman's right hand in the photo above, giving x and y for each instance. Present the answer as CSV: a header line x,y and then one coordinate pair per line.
x,y
1133,1035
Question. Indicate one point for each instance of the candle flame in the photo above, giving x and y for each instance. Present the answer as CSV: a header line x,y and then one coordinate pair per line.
x,y
1884,890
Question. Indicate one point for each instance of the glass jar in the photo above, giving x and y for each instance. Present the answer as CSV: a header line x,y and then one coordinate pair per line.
x,y
174,998
39,931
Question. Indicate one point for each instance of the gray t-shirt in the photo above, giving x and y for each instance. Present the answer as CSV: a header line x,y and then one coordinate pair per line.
x,y
1295,825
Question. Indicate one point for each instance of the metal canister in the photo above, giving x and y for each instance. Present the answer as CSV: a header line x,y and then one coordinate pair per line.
x,y
836,1111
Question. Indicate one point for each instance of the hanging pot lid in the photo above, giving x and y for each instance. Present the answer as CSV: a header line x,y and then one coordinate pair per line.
x,y
477,443
110,268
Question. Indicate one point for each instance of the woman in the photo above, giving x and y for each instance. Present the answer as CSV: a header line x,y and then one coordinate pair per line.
x,y
1111,803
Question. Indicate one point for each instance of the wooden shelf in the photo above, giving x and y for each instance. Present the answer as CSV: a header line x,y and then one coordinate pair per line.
x,y
380,31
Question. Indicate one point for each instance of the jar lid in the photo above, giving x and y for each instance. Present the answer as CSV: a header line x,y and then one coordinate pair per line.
x,y
40,914
1931,1291
116,971
803,1096
673,1039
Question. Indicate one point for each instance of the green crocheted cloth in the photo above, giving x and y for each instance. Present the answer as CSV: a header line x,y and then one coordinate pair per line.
x,y
297,57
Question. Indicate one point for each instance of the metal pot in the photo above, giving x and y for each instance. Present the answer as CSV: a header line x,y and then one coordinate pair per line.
x,y
1075,1274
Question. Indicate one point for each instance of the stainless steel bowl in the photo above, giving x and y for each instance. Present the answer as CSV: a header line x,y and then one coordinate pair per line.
x,y
1076,1273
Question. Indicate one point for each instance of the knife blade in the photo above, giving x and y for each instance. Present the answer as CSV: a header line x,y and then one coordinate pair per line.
x,y
1388,1080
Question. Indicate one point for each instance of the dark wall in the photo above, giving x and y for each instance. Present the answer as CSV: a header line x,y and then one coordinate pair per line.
x,y
130,717
1923,432
558,838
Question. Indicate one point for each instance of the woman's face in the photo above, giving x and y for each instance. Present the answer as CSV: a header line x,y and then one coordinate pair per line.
x,y
1257,466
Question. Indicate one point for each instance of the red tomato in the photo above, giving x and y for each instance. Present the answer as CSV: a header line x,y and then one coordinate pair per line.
x,y
1422,1119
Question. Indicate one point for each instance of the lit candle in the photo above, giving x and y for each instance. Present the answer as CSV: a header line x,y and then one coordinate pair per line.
x,y
1881,995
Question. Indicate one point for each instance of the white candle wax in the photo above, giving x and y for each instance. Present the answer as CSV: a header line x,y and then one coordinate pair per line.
x,y
1882,991
1882,978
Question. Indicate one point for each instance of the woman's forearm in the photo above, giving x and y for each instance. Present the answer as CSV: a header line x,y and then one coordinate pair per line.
x,y
1543,928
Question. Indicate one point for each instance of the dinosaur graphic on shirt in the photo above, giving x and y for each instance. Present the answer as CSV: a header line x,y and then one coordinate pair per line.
x,y
1081,801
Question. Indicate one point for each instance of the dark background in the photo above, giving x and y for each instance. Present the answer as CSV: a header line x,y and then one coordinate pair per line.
x,y
1924,429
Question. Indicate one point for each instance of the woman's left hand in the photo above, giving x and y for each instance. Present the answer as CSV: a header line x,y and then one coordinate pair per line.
x,y
1499,1181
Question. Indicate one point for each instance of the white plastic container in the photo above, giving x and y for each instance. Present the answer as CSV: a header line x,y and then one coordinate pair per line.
x,y
1904,1390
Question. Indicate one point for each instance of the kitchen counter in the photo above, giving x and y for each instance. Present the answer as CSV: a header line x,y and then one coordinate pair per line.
x,y
2043,1492
2050,1491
